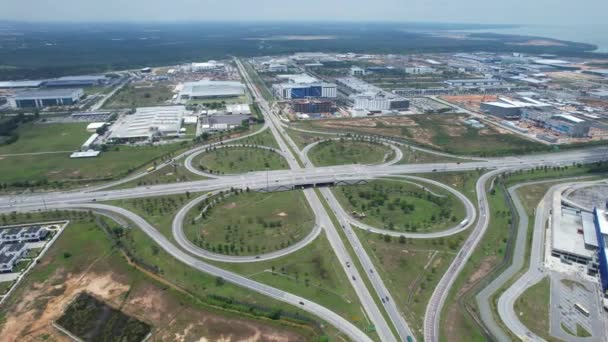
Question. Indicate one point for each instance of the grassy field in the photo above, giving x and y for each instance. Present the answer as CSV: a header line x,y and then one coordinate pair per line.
x,y
232,160
313,272
60,167
170,174
262,139
532,308
38,138
139,95
251,223
445,132
401,206
339,152
219,102
181,303
304,138
411,269
411,156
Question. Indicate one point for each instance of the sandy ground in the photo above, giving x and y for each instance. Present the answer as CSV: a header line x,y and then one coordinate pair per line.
x,y
42,303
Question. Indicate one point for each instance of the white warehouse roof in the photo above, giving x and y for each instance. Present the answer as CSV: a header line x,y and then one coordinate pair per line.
x,y
207,88
149,121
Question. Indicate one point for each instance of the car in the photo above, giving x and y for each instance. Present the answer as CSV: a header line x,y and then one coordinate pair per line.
x,y
382,300
434,170
387,299
371,271
348,264
257,256
354,278
301,303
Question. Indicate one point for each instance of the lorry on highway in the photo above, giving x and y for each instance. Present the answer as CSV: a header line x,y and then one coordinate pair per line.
x,y
464,222
151,168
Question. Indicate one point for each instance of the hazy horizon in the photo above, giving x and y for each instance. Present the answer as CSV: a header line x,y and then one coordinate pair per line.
x,y
515,12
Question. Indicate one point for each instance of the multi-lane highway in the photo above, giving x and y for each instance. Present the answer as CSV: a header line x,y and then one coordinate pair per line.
x,y
302,173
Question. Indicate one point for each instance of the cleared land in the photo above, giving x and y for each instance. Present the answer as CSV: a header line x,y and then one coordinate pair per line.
x,y
250,223
339,152
92,320
239,160
401,206
444,132
140,95
84,258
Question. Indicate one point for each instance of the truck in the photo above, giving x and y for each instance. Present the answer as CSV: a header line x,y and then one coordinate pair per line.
x,y
464,222
151,168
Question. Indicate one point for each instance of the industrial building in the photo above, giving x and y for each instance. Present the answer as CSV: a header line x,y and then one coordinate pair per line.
x,y
312,106
76,81
207,89
148,123
573,237
207,66
601,94
474,82
381,101
508,108
20,84
222,122
601,231
40,98
560,123
12,244
240,108
302,86
356,71
419,70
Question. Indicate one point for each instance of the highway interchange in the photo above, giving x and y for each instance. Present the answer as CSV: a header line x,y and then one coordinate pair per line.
x,y
302,172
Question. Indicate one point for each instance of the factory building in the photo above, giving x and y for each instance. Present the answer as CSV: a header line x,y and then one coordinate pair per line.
x,y
601,232
207,66
419,70
475,82
311,106
379,102
356,71
601,94
501,109
302,86
207,89
20,84
41,98
76,82
148,123
573,237
566,124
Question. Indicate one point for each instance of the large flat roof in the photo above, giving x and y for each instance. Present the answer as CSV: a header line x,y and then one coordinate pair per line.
x,y
590,236
210,88
47,93
299,78
147,121
565,234
21,84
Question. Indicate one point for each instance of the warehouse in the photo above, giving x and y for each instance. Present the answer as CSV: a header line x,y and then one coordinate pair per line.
x,y
222,122
76,81
501,109
479,82
601,229
41,98
20,84
379,102
206,89
567,236
241,108
148,123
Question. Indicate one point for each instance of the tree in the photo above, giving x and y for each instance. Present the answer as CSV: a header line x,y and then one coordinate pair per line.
x,y
219,281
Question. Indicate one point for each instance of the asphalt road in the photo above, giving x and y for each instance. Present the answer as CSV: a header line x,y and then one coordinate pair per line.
x,y
432,317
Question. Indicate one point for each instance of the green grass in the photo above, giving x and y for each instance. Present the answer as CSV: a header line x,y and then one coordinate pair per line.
x,y
443,132
301,139
581,331
487,256
84,248
261,139
314,273
410,268
230,160
170,174
532,308
251,223
5,286
258,82
102,90
339,152
401,206
36,138
411,156
59,167
139,95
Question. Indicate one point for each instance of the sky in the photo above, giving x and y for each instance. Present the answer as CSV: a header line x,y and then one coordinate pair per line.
x,y
541,12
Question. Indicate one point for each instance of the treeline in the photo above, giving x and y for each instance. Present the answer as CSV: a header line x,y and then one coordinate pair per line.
x,y
9,125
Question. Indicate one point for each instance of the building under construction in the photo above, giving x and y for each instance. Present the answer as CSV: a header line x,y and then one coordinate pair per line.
x,y
311,106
